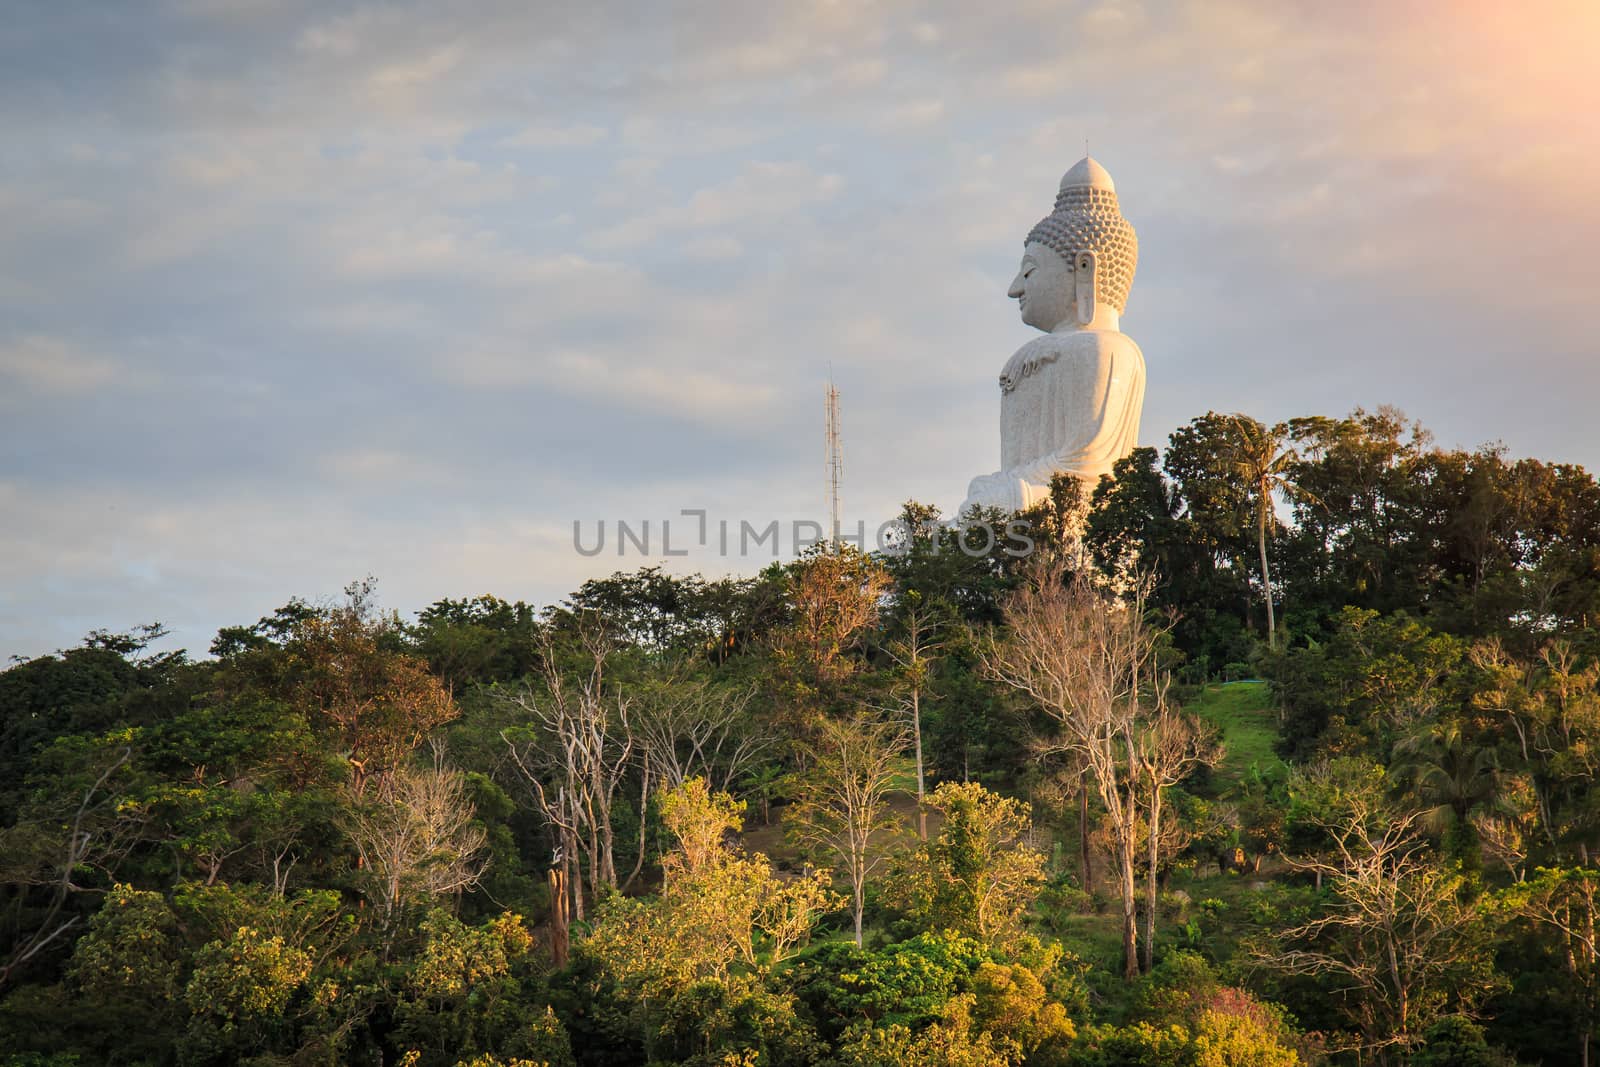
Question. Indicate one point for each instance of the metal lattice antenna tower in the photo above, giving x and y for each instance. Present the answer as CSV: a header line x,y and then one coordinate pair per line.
x,y
835,462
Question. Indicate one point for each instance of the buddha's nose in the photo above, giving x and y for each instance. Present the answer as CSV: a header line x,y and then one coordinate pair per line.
x,y
1015,292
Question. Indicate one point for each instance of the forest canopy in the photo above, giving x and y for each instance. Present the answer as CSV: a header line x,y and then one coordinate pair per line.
x,y
1278,750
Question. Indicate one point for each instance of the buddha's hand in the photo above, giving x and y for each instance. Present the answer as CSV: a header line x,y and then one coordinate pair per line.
x,y
1001,489
1025,361
1013,372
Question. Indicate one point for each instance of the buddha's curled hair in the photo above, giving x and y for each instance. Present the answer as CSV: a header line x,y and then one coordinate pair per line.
x,y
1088,219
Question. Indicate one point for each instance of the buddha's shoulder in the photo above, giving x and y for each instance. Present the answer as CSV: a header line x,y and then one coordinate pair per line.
x,y
1079,344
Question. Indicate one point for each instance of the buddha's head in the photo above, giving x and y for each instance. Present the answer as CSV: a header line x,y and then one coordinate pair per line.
x,y
1078,262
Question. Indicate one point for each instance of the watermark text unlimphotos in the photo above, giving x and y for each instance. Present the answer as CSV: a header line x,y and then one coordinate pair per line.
x,y
693,531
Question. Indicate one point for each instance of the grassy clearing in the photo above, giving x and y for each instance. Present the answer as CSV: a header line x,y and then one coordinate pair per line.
x,y
1249,726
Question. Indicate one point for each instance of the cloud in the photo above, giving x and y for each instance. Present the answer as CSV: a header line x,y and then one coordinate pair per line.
x,y
762,194
51,365
914,114
556,135
603,377
712,247
367,465
371,270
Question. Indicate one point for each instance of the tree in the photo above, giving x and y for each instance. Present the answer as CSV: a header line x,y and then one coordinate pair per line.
x,y
953,563
718,911
1564,901
1057,521
688,725
1403,935
1550,706
1168,747
1374,680
420,842
1228,1026
53,848
464,993
378,703
578,746
976,877
913,654
1456,775
842,809
262,961
836,593
1139,524
129,970
483,640
954,1041
1215,502
1365,518
680,616
240,990
1091,664
877,1001
1264,461
700,819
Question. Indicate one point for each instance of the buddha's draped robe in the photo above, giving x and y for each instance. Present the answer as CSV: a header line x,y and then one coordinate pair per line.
x,y
1071,404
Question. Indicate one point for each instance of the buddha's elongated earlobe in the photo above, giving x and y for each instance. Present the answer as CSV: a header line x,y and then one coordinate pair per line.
x,y
1083,279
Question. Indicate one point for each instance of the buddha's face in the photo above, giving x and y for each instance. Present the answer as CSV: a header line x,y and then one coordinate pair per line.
x,y
1043,288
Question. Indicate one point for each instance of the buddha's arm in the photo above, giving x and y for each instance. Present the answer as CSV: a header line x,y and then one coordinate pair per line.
x,y
1002,489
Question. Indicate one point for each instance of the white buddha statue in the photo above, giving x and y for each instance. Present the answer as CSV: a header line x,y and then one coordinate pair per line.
x,y
1070,400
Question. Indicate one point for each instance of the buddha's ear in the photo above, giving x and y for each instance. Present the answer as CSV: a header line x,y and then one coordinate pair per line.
x,y
1083,269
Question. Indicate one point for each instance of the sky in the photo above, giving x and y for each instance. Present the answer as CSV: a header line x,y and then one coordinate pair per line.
x,y
296,293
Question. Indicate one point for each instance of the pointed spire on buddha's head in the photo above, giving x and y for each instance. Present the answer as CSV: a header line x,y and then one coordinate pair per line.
x,y
1087,173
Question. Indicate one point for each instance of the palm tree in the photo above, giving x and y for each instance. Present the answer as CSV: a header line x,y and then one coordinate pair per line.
x,y
1264,460
1454,777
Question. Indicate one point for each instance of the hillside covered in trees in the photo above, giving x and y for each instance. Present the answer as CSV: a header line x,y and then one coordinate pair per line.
x,y
1286,759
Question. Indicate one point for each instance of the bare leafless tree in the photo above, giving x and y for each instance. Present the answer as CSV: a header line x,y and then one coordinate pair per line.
x,y
418,842
575,755
1402,936
1564,902
843,807
1168,747
97,836
1089,660
687,726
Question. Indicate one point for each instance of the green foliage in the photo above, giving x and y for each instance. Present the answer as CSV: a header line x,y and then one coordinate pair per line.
x,y
1455,1041
953,1041
37,1059
975,876
466,991
938,989
483,640
720,915
720,1018
239,994
929,560
1249,724
1143,521
200,861
127,974
908,982
1139,1045
1374,680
